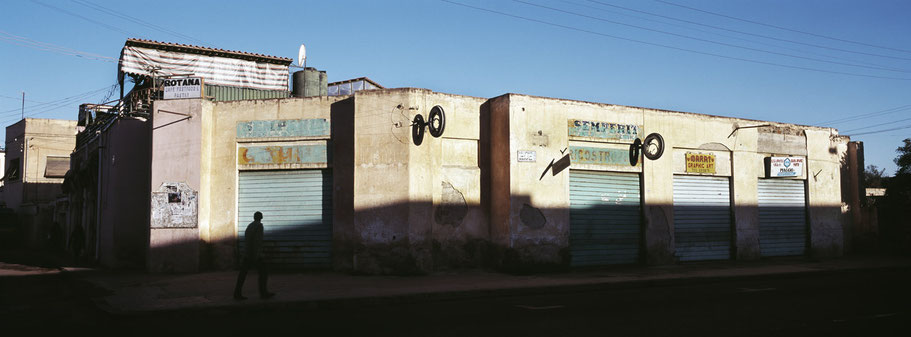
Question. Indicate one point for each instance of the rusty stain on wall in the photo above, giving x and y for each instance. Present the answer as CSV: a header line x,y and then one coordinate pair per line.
x,y
278,154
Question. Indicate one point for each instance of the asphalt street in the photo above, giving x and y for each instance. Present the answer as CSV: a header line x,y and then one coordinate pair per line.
x,y
846,303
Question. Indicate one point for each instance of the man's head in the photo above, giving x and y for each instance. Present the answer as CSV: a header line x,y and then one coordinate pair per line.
x,y
257,216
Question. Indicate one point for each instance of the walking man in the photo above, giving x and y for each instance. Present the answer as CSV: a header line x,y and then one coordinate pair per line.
x,y
253,257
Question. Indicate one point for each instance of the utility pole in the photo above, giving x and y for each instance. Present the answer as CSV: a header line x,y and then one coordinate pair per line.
x,y
23,105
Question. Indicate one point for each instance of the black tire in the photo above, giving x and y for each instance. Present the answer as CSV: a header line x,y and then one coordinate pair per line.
x,y
417,129
646,144
634,152
436,121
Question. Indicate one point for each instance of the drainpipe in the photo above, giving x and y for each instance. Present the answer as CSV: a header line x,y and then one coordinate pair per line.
x,y
98,198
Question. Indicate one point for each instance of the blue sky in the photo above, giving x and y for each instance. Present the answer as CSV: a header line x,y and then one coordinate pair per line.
x,y
852,67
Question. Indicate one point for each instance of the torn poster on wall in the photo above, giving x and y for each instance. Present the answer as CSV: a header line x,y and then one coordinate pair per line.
x,y
174,205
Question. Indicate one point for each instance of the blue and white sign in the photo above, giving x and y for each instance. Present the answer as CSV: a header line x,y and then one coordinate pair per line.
x,y
786,166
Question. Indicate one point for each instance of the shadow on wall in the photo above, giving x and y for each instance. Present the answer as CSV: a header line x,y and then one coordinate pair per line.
x,y
598,236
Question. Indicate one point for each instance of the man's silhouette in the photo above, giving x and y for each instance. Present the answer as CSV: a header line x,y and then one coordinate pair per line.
x,y
253,257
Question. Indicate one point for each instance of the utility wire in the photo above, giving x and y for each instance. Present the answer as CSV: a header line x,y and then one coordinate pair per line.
x,y
137,20
707,40
713,32
56,103
751,34
44,46
85,18
672,47
881,124
782,28
867,115
883,130
20,99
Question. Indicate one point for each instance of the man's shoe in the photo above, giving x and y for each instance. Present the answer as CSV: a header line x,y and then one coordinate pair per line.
x,y
239,297
266,295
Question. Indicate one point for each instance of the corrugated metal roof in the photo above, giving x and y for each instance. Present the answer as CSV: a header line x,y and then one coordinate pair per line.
x,y
358,79
208,51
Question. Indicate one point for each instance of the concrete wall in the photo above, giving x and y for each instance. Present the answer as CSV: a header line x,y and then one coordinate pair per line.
x,y
176,157
125,173
540,125
32,141
219,165
417,205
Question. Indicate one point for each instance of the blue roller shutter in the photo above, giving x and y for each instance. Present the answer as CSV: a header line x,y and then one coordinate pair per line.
x,y
297,215
702,217
782,217
604,218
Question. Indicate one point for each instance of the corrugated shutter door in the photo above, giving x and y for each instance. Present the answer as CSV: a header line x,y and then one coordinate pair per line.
x,y
782,217
702,217
297,215
604,218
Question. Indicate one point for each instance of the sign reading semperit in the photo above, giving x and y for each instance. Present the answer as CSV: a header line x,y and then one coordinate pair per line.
x,y
786,166
700,163
602,130
175,88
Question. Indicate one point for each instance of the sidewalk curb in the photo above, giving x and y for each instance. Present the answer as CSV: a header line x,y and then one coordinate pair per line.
x,y
568,287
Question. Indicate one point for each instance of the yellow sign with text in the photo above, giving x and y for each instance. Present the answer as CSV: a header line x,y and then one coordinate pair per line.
x,y
700,163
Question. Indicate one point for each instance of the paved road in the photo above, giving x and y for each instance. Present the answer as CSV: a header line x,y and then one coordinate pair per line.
x,y
869,303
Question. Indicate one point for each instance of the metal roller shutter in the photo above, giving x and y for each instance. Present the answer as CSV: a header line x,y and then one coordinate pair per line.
x,y
297,215
782,217
604,218
702,217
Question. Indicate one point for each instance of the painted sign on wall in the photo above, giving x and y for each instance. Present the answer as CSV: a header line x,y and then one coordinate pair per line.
x,y
786,166
599,156
283,128
287,154
175,88
602,130
700,163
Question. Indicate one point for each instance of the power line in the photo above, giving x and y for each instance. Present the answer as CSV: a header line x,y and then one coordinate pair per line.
x,y
672,47
783,28
84,18
44,46
716,33
56,103
136,20
881,124
883,130
867,115
751,34
20,99
707,40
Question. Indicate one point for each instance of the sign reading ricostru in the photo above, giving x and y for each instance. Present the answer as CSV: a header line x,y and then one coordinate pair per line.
x,y
700,163
279,155
599,156
602,130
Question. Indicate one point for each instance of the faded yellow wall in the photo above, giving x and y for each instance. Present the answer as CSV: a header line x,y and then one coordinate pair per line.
x,y
218,198
399,185
540,124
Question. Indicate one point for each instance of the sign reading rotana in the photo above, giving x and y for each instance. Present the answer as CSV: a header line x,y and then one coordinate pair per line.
x,y
602,130
598,156
700,163
175,88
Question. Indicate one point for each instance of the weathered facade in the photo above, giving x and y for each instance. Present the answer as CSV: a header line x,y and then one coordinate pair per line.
x,y
514,182
37,158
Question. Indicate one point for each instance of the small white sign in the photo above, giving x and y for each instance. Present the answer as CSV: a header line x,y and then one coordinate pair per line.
x,y
176,88
786,166
527,156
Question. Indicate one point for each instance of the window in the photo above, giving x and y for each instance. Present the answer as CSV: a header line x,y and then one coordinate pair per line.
x,y
56,167
12,171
